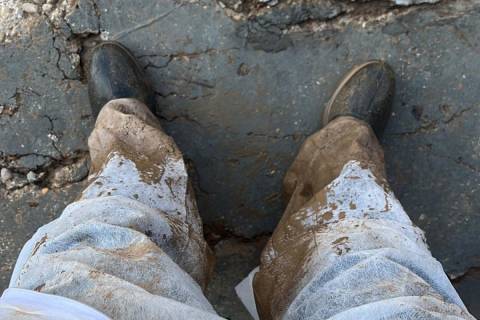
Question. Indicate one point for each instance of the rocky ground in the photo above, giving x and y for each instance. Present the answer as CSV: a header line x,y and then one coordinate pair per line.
x,y
240,84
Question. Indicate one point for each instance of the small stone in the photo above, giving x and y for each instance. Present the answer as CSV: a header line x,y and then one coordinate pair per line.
x,y
32,162
47,7
39,1
32,177
271,3
71,173
44,191
5,175
2,36
52,137
17,181
243,70
51,1
29,7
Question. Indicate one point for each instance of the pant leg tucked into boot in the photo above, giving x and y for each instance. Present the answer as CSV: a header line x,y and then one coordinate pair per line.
x,y
132,246
345,248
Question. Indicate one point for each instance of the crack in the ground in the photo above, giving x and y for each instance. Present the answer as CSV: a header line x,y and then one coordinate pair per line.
x,y
51,175
181,117
458,160
156,66
174,93
294,136
457,115
457,278
272,29
147,23
11,109
432,125
180,56
245,9
53,135
426,128
57,63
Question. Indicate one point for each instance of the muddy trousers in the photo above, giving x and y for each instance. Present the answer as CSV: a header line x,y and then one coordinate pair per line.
x,y
132,246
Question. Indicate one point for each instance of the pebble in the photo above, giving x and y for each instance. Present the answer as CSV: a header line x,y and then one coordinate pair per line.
x,y
72,173
271,3
39,1
16,182
5,175
32,177
29,7
47,7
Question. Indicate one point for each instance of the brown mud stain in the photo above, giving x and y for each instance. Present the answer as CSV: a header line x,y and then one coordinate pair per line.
x,y
40,287
341,240
39,243
327,215
333,205
352,205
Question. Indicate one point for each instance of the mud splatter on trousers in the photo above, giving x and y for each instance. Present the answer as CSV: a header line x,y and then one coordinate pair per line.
x,y
132,246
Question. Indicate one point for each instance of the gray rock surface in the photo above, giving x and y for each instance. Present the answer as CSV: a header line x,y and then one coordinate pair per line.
x,y
235,259
239,87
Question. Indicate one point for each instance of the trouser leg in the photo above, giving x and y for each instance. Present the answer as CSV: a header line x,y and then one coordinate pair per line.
x,y
345,248
132,246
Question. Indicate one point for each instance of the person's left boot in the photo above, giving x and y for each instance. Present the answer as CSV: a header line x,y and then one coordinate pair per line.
x,y
114,73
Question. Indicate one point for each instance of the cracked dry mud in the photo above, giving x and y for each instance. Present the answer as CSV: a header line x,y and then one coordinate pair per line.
x,y
240,84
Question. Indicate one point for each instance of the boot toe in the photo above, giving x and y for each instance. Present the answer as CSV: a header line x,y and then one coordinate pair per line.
x,y
366,93
113,74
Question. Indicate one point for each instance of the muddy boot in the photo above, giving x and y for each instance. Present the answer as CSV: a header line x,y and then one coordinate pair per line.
x,y
114,73
366,93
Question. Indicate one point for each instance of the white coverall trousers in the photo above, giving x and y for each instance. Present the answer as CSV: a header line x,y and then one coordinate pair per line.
x,y
132,246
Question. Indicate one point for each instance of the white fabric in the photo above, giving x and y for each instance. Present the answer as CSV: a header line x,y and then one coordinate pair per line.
x,y
124,250
244,291
26,303
369,261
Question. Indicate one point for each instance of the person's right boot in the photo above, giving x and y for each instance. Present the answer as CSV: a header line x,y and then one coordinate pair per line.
x,y
114,73
366,93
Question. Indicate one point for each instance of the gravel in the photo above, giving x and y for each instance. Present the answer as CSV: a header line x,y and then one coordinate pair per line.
x,y
5,175
47,7
32,177
30,7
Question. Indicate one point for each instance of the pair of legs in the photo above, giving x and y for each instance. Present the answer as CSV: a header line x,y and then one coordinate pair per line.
x,y
132,246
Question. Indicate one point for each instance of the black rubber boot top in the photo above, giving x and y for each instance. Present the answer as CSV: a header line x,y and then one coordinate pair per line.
x,y
114,73
366,93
